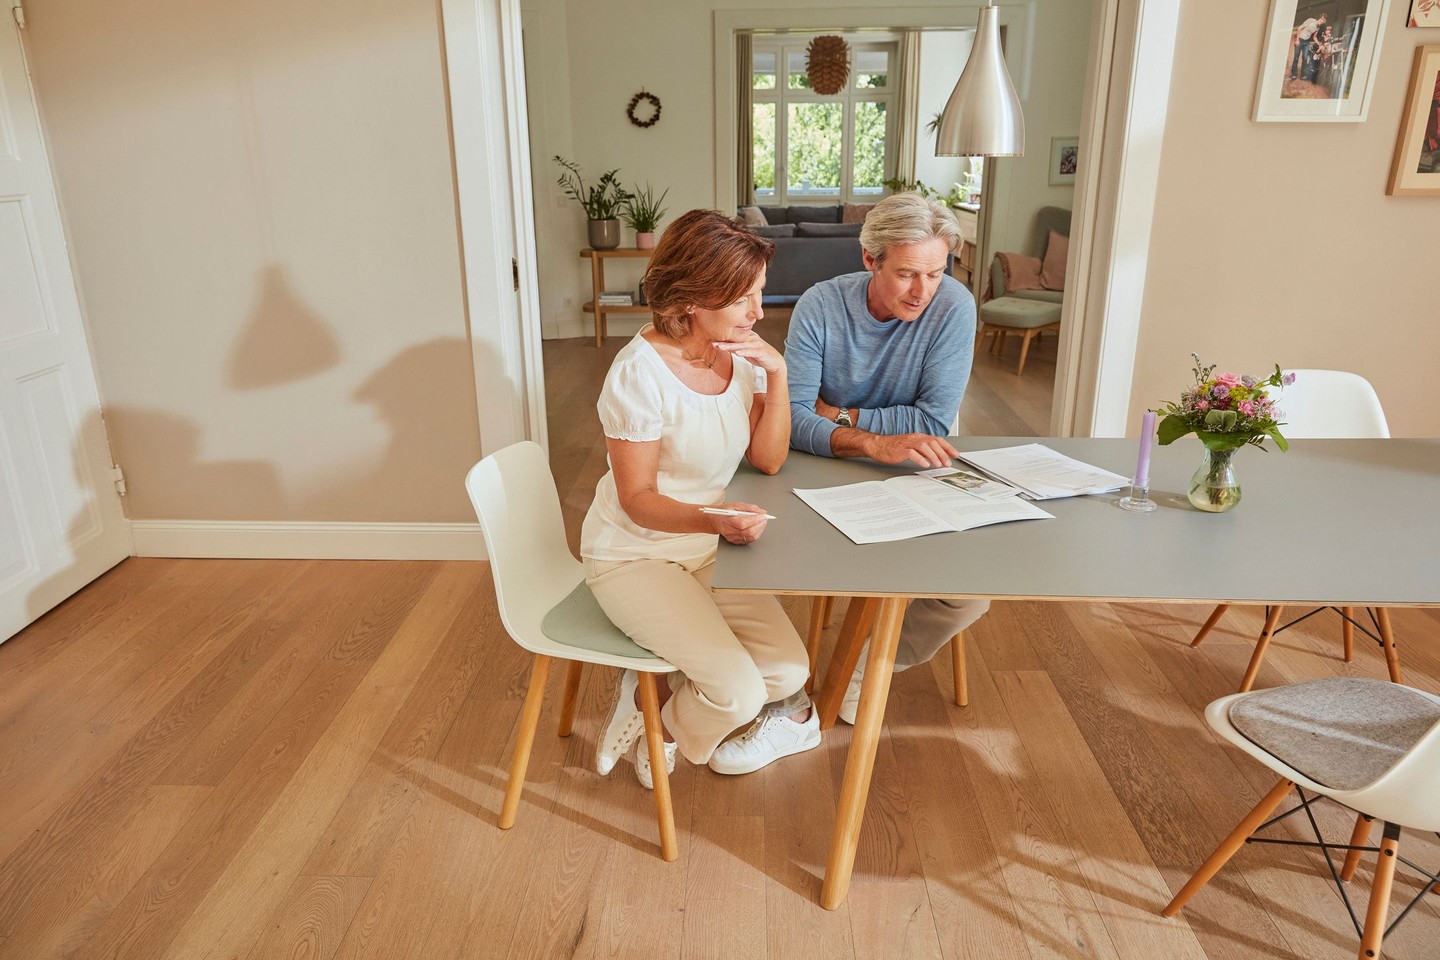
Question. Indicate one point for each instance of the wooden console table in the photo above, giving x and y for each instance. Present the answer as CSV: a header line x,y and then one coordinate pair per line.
x,y
597,260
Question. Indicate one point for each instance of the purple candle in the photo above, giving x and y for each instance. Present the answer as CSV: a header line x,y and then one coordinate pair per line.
x,y
1147,439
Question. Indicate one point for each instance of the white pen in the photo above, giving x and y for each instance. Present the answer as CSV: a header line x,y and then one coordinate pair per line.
x,y
727,512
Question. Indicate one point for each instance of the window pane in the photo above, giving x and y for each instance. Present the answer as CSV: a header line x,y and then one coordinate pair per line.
x,y
869,145
795,71
813,161
764,72
763,120
872,68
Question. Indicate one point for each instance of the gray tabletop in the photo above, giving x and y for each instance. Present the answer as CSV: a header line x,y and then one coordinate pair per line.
x,y
1342,522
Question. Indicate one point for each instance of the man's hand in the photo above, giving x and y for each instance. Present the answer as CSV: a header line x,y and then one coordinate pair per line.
x,y
921,448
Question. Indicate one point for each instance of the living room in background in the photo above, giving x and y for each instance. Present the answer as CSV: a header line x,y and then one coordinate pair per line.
x,y
811,147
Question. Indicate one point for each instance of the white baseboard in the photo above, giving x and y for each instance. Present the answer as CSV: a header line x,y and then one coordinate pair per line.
x,y
306,541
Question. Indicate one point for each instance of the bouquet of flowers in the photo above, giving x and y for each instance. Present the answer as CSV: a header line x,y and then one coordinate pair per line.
x,y
1226,410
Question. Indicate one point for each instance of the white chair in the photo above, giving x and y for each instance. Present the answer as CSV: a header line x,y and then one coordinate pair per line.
x,y
1369,745
548,610
1326,405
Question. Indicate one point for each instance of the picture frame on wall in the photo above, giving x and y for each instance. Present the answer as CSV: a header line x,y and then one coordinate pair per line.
x,y
1415,170
1319,60
1064,160
1424,13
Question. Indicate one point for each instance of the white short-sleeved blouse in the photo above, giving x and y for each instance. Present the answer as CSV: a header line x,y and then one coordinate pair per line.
x,y
702,439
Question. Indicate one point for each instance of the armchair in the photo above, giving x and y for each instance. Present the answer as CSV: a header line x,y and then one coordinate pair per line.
x,y
1026,291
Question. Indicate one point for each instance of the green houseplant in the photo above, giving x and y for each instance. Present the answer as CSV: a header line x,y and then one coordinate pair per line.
x,y
642,213
603,201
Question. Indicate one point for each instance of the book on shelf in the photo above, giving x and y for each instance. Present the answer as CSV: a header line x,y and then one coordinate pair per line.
x,y
617,298
878,511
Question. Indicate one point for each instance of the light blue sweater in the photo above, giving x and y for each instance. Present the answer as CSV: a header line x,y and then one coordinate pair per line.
x,y
906,377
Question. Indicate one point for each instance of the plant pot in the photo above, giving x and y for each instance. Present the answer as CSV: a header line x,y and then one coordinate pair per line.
x,y
604,234
645,241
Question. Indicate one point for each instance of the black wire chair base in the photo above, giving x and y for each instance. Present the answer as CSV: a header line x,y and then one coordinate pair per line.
x,y
1372,634
1392,831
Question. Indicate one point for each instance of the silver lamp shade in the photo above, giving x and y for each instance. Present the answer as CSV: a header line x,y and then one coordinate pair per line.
x,y
982,118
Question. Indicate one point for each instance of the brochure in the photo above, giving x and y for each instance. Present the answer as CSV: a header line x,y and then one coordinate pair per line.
x,y
878,511
1042,473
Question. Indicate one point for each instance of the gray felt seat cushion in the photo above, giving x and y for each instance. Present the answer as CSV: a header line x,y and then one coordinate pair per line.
x,y
1019,314
1345,733
578,621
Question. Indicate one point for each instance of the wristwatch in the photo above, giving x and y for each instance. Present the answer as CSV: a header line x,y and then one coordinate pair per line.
x,y
843,417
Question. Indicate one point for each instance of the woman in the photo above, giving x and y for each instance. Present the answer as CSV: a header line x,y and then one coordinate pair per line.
x,y
690,395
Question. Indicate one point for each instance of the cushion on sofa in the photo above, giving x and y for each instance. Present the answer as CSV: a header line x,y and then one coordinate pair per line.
x,y
856,212
774,215
828,229
799,214
777,230
752,217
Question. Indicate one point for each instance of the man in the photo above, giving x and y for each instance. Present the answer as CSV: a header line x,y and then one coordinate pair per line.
x,y
878,363
1304,55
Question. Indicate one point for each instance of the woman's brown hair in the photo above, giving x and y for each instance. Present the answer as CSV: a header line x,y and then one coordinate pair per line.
x,y
704,259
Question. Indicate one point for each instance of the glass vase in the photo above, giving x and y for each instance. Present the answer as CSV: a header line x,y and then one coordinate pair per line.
x,y
1213,487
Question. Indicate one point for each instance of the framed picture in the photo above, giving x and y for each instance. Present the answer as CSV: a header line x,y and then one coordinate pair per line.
x,y
1424,13
1319,60
1064,155
1415,171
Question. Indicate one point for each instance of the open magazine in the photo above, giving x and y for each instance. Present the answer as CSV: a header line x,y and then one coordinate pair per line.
x,y
1042,473
939,501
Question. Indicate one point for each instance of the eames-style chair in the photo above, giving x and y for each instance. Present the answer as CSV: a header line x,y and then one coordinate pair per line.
x,y
1371,746
548,610
1328,405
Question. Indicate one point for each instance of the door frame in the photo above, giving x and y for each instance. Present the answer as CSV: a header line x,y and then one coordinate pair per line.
x,y
1110,239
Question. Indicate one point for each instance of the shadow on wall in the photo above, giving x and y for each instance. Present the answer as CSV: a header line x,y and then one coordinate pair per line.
x,y
163,454
79,528
283,339
434,440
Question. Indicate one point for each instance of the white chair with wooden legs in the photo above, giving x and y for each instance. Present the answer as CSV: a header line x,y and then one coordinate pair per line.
x,y
548,610
1324,405
859,617
1369,745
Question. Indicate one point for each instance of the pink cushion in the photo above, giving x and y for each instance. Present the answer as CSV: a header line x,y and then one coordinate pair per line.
x,y
1052,271
856,212
1021,272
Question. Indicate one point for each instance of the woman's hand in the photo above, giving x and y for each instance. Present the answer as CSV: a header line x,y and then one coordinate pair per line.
x,y
757,351
739,530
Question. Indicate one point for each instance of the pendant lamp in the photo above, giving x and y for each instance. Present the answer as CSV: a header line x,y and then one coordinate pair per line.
x,y
982,118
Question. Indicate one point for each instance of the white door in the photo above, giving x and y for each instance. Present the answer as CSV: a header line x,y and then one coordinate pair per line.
x,y
61,525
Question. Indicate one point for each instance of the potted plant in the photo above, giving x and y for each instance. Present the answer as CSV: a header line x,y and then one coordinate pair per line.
x,y
603,201
642,212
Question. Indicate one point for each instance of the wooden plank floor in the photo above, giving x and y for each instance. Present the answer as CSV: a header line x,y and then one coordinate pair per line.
x,y
284,759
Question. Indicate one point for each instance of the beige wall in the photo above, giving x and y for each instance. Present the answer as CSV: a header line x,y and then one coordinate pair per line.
x,y
585,60
260,204
1275,242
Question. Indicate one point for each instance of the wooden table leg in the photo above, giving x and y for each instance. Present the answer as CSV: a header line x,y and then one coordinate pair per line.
x,y
861,762
1387,638
858,618
819,620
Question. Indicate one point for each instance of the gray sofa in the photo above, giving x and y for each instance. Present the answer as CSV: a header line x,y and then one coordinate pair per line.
x,y
811,244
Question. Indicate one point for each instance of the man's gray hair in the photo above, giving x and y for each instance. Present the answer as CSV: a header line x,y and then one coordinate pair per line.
x,y
907,218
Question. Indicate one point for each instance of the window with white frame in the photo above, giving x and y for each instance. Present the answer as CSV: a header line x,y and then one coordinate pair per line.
x,y
809,146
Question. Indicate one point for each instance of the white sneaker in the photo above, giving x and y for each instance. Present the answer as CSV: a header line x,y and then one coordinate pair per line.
x,y
621,726
642,761
767,740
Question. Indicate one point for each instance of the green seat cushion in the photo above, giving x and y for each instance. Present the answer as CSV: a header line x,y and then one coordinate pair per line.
x,y
1048,296
1020,313
578,621
1344,732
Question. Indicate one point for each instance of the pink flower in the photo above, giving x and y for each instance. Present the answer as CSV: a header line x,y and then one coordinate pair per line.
x,y
1203,405
1247,408
1228,379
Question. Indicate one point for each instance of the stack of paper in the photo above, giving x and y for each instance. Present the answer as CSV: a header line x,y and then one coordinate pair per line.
x,y
1043,474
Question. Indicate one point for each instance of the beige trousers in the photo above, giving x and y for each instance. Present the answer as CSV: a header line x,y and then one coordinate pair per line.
x,y
737,651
